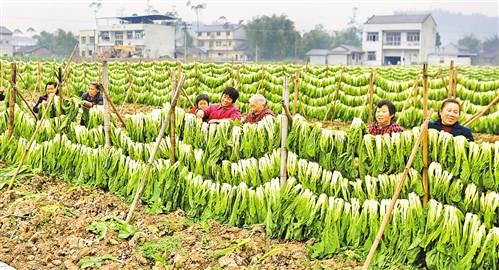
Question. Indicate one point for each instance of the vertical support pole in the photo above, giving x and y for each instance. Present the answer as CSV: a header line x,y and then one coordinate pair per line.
x,y
12,98
39,78
59,88
107,120
451,79
371,93
284,131
425,135
454,82
295,93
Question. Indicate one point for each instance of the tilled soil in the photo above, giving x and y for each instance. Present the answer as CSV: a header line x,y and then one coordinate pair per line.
x,y
43,225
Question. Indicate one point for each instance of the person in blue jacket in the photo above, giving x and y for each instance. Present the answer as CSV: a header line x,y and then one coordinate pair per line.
x,y
448,117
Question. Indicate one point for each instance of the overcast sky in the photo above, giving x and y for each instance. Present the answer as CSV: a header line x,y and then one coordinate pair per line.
x,y
334,15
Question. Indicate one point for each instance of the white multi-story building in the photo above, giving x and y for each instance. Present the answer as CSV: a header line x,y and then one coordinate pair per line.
x,y
6,47
151,36
225,42
398,39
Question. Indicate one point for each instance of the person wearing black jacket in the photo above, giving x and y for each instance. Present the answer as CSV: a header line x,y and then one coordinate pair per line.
x,y
448,117
2,95
93,96
50,88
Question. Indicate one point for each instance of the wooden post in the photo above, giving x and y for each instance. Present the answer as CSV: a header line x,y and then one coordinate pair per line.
x,y
425,135
59,88
371,93
129,73
451,79
12,98
172,117
147,170
415,88
386,218
454,82
39,77
27,104
295,93
28,147
107,119
481,112
284,131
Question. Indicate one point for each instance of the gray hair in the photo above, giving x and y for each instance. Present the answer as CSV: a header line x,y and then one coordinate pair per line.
x,y
259,98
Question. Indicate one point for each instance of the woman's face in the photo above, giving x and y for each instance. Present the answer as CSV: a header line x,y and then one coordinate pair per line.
x,y
226,100
92,90
449,114
203,104
383,116
50,89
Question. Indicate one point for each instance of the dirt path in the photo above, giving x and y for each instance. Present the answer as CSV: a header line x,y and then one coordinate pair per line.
x,y
43,226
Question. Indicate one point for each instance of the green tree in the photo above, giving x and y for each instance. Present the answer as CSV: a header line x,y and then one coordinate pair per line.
x,y
274,36
350,36
471,43
60,42
490,47
318,38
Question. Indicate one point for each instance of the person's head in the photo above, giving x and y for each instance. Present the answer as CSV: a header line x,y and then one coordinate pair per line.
x,y
449,111
229,96
257,103
385,110
51,88
94,88
202,101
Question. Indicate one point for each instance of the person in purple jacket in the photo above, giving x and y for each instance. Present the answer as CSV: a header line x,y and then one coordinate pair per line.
x,y
225,110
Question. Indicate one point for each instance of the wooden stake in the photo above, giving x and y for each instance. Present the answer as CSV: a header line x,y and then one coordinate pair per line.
x,y
147,170
477,115
12,99
284,131
113,107
295,94
59,88
415,88
28,148
371,93
27,104
454,83
426,187
386,218
451,79
107,119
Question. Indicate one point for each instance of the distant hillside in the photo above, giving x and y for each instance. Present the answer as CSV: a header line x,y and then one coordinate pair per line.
x,y
453,26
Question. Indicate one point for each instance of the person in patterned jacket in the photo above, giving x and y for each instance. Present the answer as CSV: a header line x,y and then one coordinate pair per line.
x,y
384,124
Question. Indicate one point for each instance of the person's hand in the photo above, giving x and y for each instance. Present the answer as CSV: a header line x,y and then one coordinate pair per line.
x,y
2,89
88,104
200,114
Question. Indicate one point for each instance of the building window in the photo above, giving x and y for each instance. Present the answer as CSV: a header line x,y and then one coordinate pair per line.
x,y
83,40
219,43
218,34
1,41
118,35
413,36
230,43
201,43
200,34
220,54
90,52
392,38
92,40
372,36
104,36
371,56
211,44
227,33
139,34
129,34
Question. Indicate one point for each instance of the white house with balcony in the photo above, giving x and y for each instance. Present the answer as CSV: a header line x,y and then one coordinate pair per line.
x,y
398,39
6,47
224,42
151,36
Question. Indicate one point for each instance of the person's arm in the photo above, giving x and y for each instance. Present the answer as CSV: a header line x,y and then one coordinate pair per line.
x,y
36,108
86,103
100,99
469,135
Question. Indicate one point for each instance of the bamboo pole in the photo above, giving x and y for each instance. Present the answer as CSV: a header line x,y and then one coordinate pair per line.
x,y
284,131
477,115
147,170
172,118
27,104
130,82
451,79
371,93
295,94
454,82
113,107
33,136
39,77
59,88
107,118
425,136
395,196
12,99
